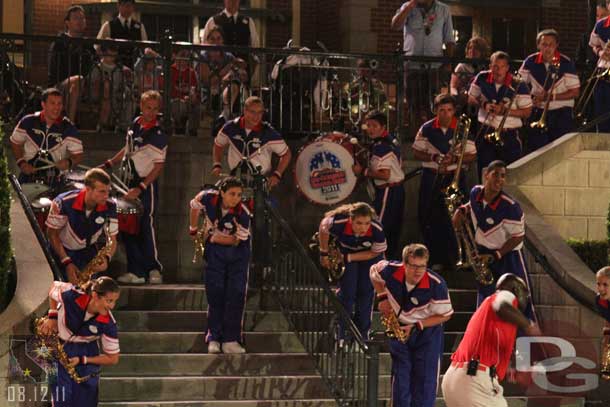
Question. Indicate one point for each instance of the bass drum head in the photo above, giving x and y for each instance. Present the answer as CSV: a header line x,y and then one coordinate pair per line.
x,y
32,190
323,172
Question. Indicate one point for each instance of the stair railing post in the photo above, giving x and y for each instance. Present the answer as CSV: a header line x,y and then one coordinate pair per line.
x,y
166,54
372,374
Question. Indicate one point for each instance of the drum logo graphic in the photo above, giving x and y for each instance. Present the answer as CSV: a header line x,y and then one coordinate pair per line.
x,y
326,173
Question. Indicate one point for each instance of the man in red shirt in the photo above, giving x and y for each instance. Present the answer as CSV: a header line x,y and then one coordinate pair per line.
x,y
482,358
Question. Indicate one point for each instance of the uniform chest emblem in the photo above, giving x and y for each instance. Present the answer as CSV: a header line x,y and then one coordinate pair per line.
x,y
366,244
229,225
489,221
99,220
414,300
93,329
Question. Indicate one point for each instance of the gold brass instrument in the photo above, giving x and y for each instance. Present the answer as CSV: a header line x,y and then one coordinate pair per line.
x,y
586,94
495,137
335,258
85,274
479,262
56,350
552,73
392,328
201,238
605,358
453,195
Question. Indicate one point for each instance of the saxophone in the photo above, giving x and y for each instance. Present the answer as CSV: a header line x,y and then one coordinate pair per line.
x,y
201,238
392,328
335,258
605,359
54,345
468,245
85,274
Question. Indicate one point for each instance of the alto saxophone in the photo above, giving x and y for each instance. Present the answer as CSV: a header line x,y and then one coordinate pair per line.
x,y
393,329
605,360
336,267
56,349
201,238
100,257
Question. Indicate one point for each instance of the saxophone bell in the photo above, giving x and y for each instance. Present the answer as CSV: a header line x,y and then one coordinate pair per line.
x,y
336,267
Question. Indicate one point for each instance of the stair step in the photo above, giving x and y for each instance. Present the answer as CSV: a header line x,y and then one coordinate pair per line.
x,y
221,388
192,297
512,402
164,321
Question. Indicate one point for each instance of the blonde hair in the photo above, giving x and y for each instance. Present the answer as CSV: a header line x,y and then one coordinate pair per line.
x,y
354,210
150,95
253,100
603,272
415,250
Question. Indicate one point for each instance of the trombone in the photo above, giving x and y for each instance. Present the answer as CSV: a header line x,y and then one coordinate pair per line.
x,y
585,96
554,74
495,137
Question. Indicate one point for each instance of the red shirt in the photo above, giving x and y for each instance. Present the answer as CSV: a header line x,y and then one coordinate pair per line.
x,y
181,81
488,338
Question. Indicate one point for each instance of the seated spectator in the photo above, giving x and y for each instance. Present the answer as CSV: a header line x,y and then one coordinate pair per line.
x,y
70,62
218,70
148,70
463,74
184,94
110,85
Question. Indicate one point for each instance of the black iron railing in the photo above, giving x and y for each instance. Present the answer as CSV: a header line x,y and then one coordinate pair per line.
x,y
348,364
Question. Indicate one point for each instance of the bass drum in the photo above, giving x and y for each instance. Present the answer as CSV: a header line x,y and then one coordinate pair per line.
x,y
323,171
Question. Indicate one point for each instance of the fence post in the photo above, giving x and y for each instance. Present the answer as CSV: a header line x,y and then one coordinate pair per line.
x,y
166,55
372,374
400,90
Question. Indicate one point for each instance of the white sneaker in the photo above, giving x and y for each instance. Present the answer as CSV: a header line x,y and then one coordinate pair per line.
x,y
214,347
232,347
155,277
130,278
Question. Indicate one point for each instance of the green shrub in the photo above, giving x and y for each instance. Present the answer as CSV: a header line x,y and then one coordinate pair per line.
x,y
6,254
594,253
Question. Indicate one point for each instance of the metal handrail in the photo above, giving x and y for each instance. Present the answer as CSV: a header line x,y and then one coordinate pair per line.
x,y
29,213
350,367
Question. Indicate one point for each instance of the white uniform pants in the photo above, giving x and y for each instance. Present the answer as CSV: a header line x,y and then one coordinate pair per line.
x,y
461,390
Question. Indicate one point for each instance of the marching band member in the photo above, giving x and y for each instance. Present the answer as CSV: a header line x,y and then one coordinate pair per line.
x,y
602,301
146,162
538,71
82,317
77,219
499,227
361,241
227,254
419,298
46,135
433,146
600,43
248,136
385,170
482,358
491,91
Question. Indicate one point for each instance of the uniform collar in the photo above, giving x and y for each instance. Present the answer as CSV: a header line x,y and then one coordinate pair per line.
x,y
79,202
507,81
493,205
349,230
149,125
123,20
226,13
234,211
602,302
540,59
83,301
607,22
400,274
242,125
42,118
437,124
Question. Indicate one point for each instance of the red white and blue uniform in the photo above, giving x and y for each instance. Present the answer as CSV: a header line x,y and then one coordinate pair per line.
x,y
490,340
257,144
79,230
227,270
601,98
355,286
80,332
389,200
149,148
559,116
60,140
416,363
434,220
484,89
495,223
603,307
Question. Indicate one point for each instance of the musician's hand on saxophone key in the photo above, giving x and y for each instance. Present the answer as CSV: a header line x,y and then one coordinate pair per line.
x,y
74,361
103,266
385,308
49,327
407,329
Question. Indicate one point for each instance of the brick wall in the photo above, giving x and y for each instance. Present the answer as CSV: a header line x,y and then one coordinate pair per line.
x,y
278,32
571,20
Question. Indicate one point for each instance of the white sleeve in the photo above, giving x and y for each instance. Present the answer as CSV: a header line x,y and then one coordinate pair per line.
x,y
326,224
421,143
503,297
19,135
375,270
279,147
56,220
110,345
57,288
254,41
221,140
196,201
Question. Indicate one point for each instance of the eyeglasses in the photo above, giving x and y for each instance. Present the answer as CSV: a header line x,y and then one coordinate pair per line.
x,y
418,266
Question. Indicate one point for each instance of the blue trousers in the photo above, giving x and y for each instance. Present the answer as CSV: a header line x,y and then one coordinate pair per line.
x,y
355,288
141,249
558,121
602,104
390,205
65,391
434,221
415,368
226,284
510,263
80,258
487,152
